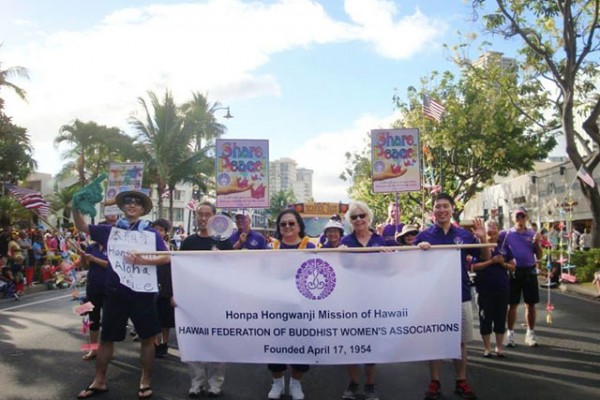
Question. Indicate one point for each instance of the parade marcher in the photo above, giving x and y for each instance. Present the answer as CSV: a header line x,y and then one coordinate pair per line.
x,y
392,225
407,236
245,237
164,301
333,233
525,246
360,217
491,282
206,377
120,302
445,232
96,258
290,233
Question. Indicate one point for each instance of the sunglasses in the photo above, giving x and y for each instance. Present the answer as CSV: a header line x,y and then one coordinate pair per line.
x,y
520,216
361,216
132,200
287,224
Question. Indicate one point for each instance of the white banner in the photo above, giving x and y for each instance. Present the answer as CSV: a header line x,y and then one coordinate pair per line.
x,y
317,308
139,278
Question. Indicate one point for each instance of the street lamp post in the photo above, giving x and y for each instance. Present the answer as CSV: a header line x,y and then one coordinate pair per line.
x,y
212,111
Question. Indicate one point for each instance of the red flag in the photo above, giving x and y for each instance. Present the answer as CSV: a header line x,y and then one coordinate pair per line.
x,y
29,198
432,109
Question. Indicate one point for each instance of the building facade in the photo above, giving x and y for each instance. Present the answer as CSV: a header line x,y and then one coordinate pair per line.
x,y
284,175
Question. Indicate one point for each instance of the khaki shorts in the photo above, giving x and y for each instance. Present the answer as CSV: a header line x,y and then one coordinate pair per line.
x,y
467,322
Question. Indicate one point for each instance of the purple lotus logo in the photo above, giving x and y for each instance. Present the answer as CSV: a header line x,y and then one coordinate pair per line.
x,y
315,279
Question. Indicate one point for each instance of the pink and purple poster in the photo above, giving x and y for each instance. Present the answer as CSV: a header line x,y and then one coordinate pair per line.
x,y
242,173
395,160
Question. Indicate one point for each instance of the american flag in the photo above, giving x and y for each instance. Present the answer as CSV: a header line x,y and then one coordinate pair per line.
x,y
29,198
192,205
586,177
432,109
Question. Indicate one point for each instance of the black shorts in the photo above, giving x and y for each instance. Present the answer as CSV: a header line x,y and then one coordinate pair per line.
x,y
166,312
524,280
139,307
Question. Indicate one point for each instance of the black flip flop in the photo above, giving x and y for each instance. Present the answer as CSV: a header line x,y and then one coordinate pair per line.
x,y
93,392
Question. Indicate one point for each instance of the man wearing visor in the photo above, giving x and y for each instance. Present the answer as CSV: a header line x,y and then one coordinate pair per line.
x,y
524,243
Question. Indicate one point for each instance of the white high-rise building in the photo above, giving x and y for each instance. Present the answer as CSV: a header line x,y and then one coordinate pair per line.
x,y
284,175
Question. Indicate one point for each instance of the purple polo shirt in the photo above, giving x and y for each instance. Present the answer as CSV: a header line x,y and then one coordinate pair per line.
x,y
96,277
520,245
494,277
389,233
254,240
435,235
351,241
100,234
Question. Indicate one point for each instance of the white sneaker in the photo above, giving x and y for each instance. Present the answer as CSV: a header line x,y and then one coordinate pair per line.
x,y
277,389
531,339
296,390
510,339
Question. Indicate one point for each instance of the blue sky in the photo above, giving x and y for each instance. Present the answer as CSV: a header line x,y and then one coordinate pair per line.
x,y
313,77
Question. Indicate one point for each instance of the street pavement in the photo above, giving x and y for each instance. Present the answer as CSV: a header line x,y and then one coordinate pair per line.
x,y
40,358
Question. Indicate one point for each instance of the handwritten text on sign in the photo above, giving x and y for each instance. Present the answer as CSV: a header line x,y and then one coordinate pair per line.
x,y
140,278
317,308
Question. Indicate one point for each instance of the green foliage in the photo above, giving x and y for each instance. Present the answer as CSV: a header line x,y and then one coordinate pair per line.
x,y
559,59
280,201
481,135
586,263
91,147
16,152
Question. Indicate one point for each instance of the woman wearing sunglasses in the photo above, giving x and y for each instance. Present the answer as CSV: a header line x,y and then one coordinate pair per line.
x,y
360,216
290,235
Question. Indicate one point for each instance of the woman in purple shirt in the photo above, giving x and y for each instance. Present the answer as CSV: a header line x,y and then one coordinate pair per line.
x,y
491,282
360,216
290,235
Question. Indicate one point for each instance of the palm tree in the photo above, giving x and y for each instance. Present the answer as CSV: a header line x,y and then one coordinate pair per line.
x,y
80,135
61,202
164,141
6,74
200,120
93,147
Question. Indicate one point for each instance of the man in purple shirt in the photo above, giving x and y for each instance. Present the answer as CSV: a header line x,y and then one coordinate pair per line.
x,y
525,246
245,237
122,303
444,232
392,225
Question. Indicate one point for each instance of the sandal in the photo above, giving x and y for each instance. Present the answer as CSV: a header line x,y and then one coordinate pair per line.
x,y
487,354
90,392
89,356
142,393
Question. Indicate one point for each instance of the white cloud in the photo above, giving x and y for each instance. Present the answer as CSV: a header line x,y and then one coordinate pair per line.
x,y
215,47
325,155
394,39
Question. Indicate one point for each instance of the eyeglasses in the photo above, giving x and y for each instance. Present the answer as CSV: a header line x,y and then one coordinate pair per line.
x,y
520,216
132,200
361,216
287,224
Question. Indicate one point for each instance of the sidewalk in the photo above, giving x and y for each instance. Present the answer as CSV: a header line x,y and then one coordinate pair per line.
x,y
575,288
